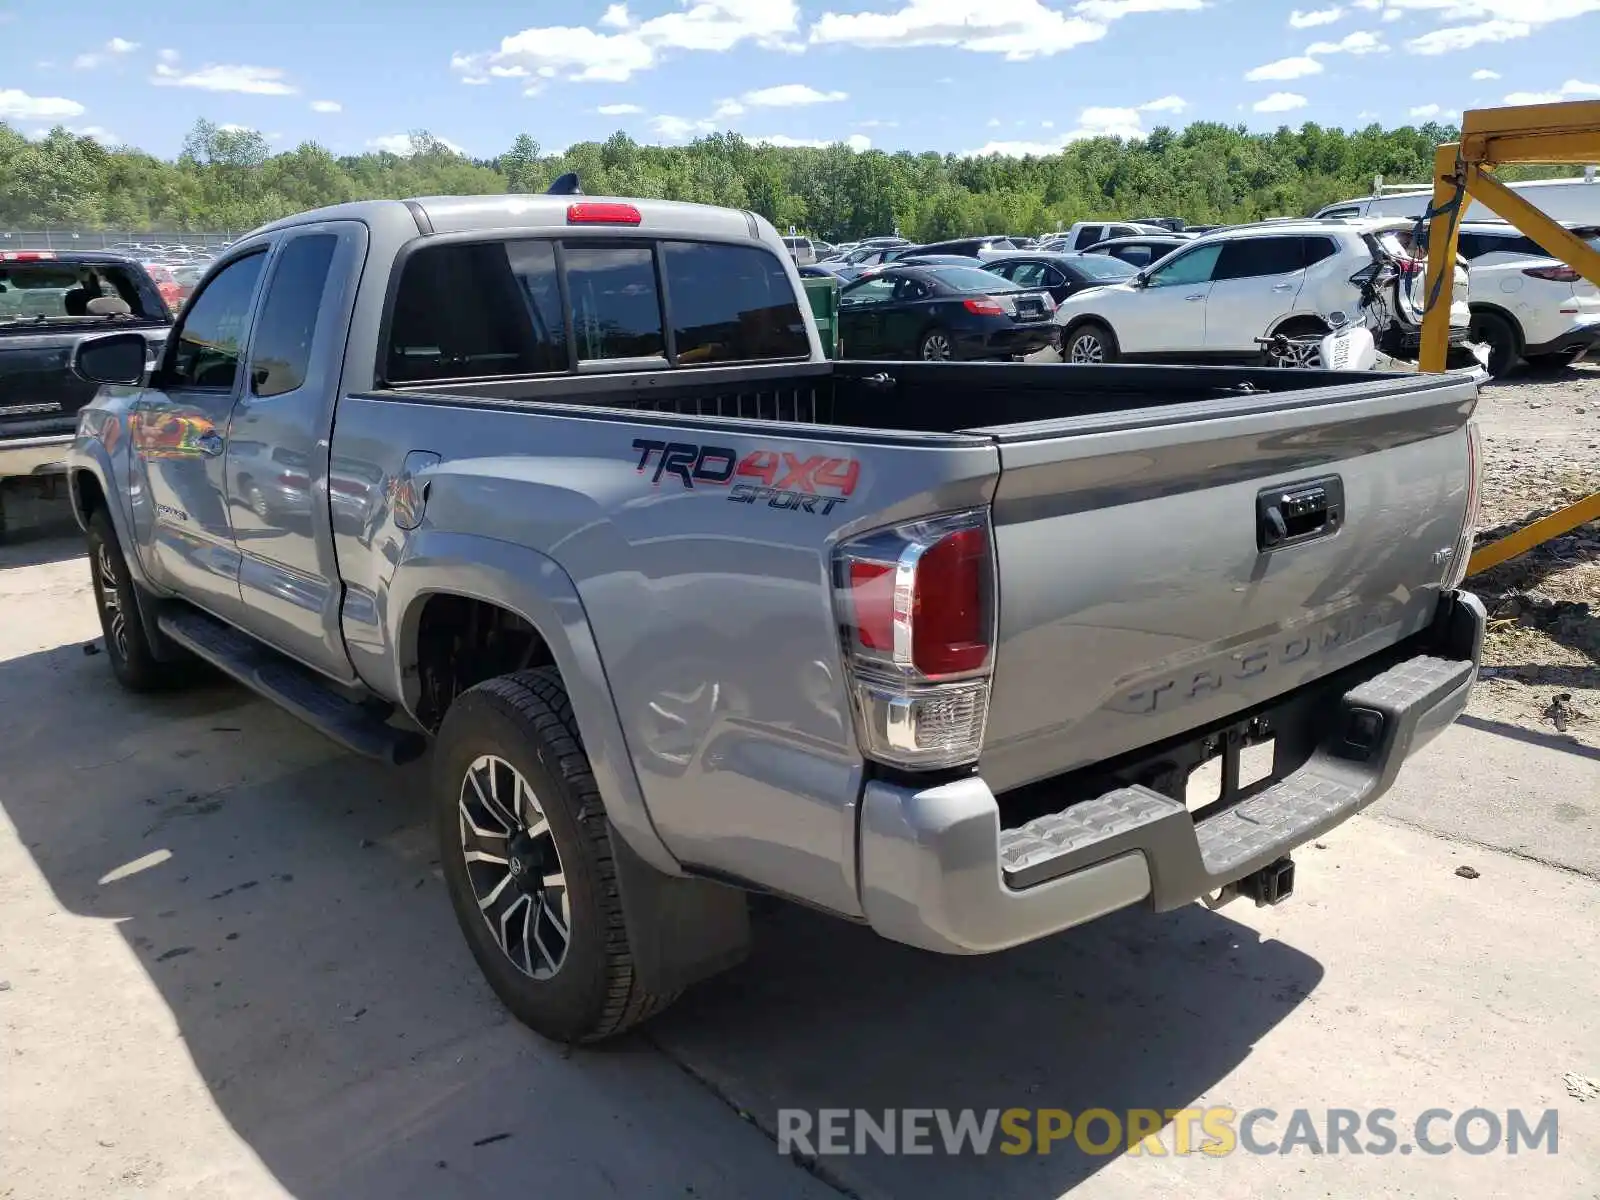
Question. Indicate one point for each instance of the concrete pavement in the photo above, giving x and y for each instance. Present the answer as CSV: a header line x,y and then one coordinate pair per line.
x,y
233,972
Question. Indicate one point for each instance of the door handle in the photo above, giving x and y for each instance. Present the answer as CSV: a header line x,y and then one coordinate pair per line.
x,y
1196,296
1282,287
210,443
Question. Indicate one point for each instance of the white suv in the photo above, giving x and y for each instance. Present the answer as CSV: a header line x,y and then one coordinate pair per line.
x,y
1211,300
1525,304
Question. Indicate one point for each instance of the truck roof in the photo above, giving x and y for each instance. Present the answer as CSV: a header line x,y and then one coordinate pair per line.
x,y
460,214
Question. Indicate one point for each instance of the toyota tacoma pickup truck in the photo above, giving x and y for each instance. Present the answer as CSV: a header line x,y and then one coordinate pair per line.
x,y
565,488
49,301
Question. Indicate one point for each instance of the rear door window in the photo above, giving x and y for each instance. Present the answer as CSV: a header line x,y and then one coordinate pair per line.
x,y
1089,235
730,304
1250,258
281,350
1315,249
616,306
477,310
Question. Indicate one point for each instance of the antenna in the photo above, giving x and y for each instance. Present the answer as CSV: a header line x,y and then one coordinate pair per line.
x,y
565,185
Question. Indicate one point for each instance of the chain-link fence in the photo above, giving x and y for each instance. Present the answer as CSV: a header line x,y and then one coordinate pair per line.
x,y
104,239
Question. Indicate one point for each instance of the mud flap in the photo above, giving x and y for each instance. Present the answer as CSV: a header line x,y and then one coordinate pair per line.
x,y
680,930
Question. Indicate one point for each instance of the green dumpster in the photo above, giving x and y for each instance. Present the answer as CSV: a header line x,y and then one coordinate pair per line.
x,y
824,297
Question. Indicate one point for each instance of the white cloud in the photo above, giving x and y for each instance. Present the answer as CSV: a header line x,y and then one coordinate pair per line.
x,y
790,95
1570,90
232,128
115,48
475,80
1426,110
400,143
19,106
1464,37
1279,102
1392,14
167,56
1017,29
678,129
1093,122
618,110
1360,42
728,108
856,141
1317,16
1485,73
584,55
326,106
1297,67
99,133
253,81
1047,124
1470,23
994,123
1113,10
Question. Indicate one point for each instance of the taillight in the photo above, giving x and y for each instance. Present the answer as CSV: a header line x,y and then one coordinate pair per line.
x,y
1562,274
984,306
602,213
1457,570
916,613
27,256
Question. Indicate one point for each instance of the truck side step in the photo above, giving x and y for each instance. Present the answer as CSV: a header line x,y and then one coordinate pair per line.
x,y
291,687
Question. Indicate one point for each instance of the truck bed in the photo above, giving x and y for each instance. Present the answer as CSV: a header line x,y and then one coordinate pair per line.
x,y
1005,400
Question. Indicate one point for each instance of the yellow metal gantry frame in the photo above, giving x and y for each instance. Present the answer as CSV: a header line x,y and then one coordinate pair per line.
x,y
1462,172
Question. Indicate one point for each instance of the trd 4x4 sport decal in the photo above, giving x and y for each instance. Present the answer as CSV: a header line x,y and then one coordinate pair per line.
x,y
776,478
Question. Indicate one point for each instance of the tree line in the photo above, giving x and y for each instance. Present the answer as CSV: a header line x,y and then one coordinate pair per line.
x,y
229,179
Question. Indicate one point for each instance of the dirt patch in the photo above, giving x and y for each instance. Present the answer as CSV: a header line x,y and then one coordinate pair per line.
x,y
1542,655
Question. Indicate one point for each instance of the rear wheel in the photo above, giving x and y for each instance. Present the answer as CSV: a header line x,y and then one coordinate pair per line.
x,y
1089,344
133,661
527,858
1501,338
936,346
1299,353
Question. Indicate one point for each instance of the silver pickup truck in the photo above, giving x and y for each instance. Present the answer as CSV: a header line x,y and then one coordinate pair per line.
x,y
565,487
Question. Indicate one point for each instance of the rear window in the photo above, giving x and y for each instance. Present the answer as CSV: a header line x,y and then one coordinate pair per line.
x,y
1103,266
478,310
61,291
971,279
731,303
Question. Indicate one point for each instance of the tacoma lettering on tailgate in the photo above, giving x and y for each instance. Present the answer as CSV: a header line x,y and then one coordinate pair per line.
x,y
815,483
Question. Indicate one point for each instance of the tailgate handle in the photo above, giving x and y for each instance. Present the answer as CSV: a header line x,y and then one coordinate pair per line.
x,y
1299,512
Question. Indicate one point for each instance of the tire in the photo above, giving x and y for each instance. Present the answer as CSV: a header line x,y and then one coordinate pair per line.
x,y
1310,358
523,725
1502,339
1556,362
936,346
117,599
1090,344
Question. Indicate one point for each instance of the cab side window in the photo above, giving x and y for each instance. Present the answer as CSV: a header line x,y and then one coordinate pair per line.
x,y
206,346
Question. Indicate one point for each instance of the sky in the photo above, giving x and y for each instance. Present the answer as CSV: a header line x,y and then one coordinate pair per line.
x,y
984,76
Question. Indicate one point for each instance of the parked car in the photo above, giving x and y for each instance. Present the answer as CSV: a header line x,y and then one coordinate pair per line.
x,y
1562,199
933,647
938,313
1525,304
864,258
912,258
188,278
1059,274
50,300
971,247
166,283
801,250
1212,300
1084,234
1141,250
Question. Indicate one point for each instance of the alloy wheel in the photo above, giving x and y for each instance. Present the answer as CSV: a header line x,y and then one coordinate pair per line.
x,y
1086,348
936,348
1300,355
514,867
111,610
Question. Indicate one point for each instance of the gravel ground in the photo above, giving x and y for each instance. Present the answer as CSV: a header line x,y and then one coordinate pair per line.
x,y
1541,452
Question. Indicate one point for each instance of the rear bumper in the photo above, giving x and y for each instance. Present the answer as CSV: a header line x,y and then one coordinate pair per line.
x,y
939,872
1017,339
1583,335
34,455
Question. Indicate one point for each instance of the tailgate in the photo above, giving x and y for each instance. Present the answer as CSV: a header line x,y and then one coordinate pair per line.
x,y
1136,600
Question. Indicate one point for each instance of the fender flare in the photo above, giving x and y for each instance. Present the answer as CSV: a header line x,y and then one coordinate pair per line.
x,y
537,589
89,456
